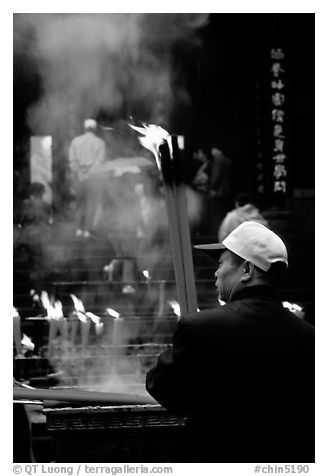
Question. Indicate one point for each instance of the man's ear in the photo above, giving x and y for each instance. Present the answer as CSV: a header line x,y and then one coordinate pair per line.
x,y
248,271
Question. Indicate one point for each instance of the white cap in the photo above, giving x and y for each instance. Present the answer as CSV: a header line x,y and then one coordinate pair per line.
x,y
90,124
253,242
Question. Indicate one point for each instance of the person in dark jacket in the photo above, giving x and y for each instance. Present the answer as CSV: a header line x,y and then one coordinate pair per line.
x,y
242,373
220,199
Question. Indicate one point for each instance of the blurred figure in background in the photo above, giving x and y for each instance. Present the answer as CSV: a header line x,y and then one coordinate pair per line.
x,y
220,188
30,237
35,210
200,173
86,153
244,210
201,177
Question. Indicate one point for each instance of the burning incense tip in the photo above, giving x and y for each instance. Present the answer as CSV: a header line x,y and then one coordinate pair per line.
x,y
154,136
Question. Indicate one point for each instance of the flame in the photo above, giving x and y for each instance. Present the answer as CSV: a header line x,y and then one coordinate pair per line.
x,y
146,274
35,297
79,308
176,307
78,304
113,313
154,136
54,310
93,317
45,301
81,317
27,342
58,310
293,307
99,326
16,313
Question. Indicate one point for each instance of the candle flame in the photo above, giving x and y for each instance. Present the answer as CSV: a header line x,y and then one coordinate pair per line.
x,y
27,343
176,307
146,274
79,308
154,136
78,304
293,307
113,313
81,317
99,326
93,317
58,310
45,301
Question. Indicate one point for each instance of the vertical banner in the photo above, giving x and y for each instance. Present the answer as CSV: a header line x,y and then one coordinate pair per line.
x,y
278,104
41,163
259,163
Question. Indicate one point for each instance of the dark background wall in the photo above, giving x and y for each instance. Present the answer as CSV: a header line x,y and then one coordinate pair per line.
x,y
230,90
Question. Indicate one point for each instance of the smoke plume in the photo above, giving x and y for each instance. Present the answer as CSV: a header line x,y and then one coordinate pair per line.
x,y
117,63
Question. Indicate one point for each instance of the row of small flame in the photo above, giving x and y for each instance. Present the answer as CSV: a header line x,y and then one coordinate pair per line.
x,y
57,321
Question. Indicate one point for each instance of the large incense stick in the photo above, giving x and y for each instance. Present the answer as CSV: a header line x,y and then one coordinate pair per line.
x,y
184,230
156,140
167,171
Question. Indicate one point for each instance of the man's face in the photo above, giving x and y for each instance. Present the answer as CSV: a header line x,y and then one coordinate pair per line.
x,y
227,276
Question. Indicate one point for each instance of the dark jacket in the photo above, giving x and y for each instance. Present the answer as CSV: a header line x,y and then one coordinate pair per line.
x,y
220,179
243,373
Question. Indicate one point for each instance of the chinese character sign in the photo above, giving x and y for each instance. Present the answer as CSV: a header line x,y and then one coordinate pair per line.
x,y
278,121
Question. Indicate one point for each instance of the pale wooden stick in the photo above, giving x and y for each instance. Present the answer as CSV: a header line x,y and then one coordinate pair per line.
x,y
184,230
173,227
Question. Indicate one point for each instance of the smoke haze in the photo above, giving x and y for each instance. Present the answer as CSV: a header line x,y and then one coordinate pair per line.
x,y
112,65
101,62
